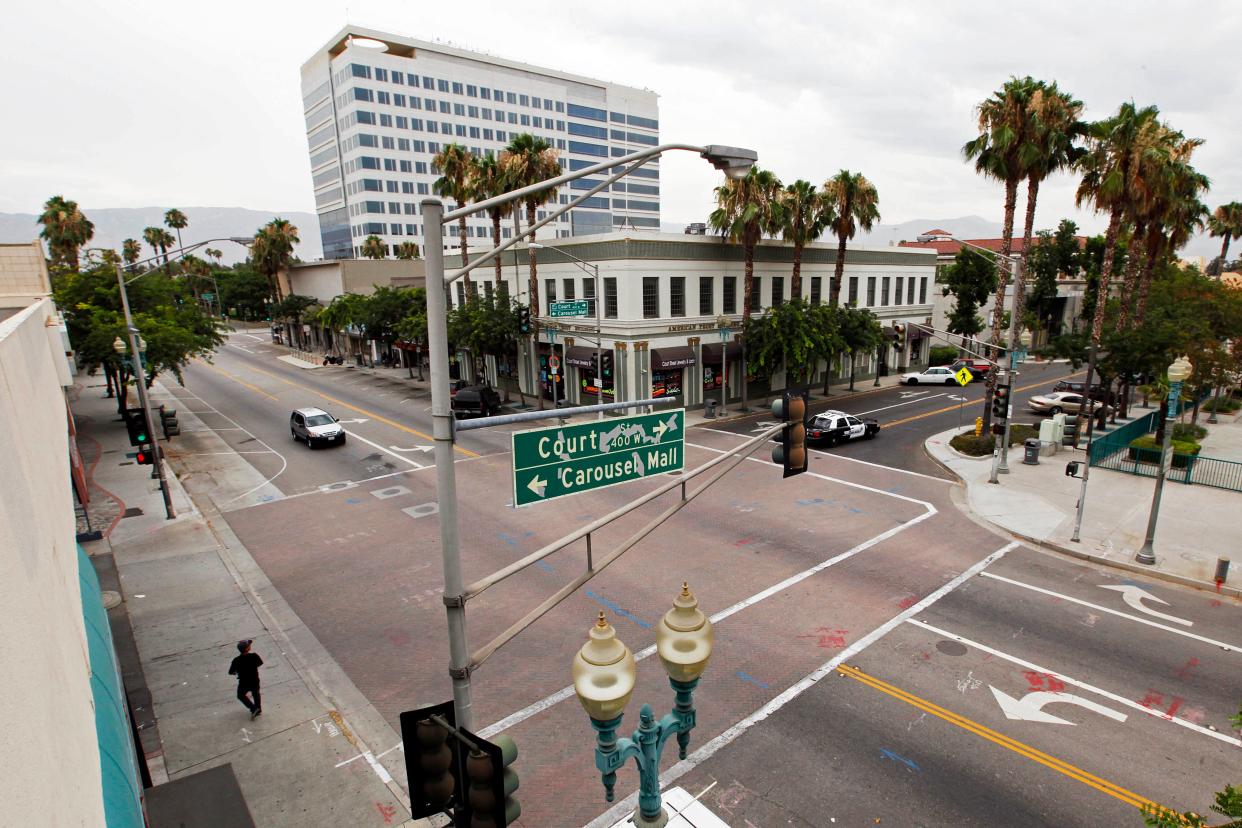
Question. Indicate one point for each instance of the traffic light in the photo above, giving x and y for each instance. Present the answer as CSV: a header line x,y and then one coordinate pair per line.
x,y
1000,402
492,783
146,454
524,319
431,762
791,454
168,419
136,425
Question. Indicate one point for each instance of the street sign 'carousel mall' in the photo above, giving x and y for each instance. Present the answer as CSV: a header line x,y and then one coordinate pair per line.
x,y
563,460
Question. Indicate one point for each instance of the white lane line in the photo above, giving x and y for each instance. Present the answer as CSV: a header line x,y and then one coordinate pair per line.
x,y
355,435
618,811
241,348
852,460
567,692
896,405
1226,647
1106,694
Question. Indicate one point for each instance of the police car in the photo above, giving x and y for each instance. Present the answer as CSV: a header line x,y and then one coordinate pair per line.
x,y
832,427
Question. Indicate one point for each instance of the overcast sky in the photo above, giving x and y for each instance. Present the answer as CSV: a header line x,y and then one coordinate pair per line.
x,y
144,103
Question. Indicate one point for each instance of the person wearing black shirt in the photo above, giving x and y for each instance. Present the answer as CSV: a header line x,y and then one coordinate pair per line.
x,y
246,668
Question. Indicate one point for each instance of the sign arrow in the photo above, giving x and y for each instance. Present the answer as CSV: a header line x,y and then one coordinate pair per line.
x,y
537,486
659,430
1029,708
1134,595
349,422
423,449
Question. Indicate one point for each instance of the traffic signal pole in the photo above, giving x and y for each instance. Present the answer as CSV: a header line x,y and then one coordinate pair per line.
x,y
141,375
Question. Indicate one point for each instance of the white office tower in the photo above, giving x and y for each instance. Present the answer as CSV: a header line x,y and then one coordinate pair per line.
x,y
379,107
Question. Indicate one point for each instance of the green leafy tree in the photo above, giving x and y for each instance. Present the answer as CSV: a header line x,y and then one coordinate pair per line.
x,y
793,335
1226,222
213,253
969,280
861,333
851,203
382,312
1052,255
373,247
343,312
292,310
65,229
1228,803
803,219
244,291
159,240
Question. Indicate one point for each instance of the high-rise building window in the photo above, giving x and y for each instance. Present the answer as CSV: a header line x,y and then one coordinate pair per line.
x,y
707,302
728,295
677,295
778,291
610,297
651,297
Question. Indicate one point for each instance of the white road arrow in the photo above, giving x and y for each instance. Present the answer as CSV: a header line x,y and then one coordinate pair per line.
x,y
907,394
1029,708
956,398
348,422
1134,595
423,449
537,486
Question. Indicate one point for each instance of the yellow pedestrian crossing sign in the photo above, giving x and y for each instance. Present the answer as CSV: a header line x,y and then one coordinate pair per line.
x,y
963,376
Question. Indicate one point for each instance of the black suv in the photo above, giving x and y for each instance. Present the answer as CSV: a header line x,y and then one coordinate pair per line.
x,y
476,400
1098,392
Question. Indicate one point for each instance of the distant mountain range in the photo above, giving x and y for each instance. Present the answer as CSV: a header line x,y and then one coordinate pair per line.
x,y
115,224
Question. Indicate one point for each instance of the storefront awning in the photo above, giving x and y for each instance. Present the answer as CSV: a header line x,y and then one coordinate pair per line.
x,y
711,351
677,356
584,357
915,334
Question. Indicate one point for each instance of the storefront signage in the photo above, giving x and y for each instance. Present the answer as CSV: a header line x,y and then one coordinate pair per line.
x,y
699,326
559,460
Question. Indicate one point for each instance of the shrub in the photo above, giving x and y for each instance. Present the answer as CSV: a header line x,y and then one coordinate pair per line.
x,y
1227,405
1188,432
942,355
967,443
1147,450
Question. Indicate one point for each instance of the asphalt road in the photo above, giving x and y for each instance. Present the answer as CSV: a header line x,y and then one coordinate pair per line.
x,y
855,565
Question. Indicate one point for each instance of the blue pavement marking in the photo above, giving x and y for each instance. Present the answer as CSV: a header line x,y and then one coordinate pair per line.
x,y
353,500
544,565
267,498
748,677
885,753
624,613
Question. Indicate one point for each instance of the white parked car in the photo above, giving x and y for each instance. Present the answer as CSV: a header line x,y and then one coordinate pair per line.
x,y
930,376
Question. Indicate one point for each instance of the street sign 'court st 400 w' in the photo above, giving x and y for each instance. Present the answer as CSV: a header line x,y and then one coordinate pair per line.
x,y
557,461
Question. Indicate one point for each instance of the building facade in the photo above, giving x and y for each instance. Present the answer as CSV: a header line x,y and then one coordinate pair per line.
x,y
659,300
378,107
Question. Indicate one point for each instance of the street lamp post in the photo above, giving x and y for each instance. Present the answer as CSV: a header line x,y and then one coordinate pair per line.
x,y
734,162
604,676
593,269
1178,372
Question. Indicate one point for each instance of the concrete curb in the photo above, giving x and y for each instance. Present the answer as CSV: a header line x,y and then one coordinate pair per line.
x,y
964,505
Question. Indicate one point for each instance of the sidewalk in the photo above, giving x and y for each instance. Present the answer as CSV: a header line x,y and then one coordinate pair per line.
x,y
1038,503
190,591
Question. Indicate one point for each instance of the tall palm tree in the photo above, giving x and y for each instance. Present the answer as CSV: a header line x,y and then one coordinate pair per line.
x,y
160,241
454,163
174,219
1226,222
272,250
853,203
407,250
131,251
1122,151
213,253
1177,215
1005,149
487,180
65,229
1058,127
803,219
373,247
528,160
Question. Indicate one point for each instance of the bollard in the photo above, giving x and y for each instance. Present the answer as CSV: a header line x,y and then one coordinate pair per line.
x,y
1222,570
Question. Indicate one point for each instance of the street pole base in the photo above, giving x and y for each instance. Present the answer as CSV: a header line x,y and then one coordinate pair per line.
x,y
659,822
1145,557
1003,469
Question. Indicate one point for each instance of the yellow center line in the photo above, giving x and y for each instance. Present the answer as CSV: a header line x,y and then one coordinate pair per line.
x,y
370,414
955,407
240,381
1058,765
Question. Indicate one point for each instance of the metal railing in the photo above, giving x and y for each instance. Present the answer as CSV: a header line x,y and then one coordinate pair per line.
x,y
1106,446
1113,451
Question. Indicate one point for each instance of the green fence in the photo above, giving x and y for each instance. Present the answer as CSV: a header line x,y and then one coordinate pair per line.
x,y
1113,451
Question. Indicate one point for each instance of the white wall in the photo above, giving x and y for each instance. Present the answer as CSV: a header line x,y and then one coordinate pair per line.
x,y
49,751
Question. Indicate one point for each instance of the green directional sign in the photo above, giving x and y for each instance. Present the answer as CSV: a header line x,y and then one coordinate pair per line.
x,y
558,460
576,307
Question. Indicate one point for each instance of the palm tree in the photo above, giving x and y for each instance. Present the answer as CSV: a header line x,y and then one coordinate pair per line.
x,y
804,218
131,251
213,253
1057,128
1176,215
373,247
528,160
1226,221
174,219
487,180
272,250
65,229
1121,150
853,203
407,250
454,163
160,241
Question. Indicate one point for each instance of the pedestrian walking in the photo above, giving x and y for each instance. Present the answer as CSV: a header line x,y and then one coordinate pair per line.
x,y
246,667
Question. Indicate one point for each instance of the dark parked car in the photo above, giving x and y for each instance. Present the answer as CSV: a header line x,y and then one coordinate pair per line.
x,y
476,401
832,427
978,368
1098,392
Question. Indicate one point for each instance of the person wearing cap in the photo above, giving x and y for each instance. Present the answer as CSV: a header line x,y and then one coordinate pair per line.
x,y
246,667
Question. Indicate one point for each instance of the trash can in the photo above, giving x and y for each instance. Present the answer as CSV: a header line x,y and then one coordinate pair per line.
x,y
1031,456
709,409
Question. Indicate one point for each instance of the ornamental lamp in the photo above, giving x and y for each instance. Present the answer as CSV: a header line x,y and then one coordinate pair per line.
x,y
604,673
1180,370
684,638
